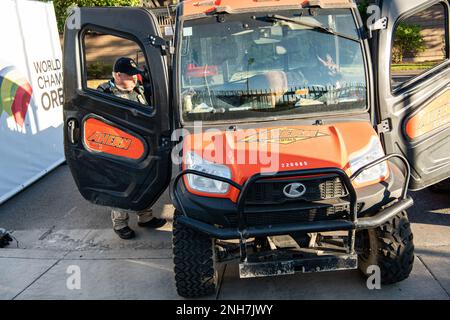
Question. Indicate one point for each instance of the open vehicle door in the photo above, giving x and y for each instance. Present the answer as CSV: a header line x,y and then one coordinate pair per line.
x,y
118,152
415,107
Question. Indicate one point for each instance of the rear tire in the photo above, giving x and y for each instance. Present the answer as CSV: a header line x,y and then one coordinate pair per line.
x,y
194,260
390,247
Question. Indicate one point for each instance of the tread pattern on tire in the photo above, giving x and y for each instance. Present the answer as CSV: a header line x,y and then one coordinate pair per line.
x,y
393,249
194,262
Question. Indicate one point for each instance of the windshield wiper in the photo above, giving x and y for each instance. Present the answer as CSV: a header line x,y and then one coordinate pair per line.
x,y
276,17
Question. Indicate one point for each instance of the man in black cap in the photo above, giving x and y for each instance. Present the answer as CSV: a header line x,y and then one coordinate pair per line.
x,y
125,84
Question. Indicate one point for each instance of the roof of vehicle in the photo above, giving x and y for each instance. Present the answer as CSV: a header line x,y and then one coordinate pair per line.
x,y
196,7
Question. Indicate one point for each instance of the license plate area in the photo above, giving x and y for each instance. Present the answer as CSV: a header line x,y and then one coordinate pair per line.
x,y
304,265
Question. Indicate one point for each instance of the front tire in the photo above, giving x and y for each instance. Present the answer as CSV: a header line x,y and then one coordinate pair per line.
x,y
390,247
194,260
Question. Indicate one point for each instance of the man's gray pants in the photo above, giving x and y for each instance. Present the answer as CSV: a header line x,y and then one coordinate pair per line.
x,y
120,217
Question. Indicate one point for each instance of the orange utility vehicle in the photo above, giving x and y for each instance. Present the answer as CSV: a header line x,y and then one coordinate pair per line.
x,y
304,155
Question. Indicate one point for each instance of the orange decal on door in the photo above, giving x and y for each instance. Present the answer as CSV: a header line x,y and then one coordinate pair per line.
x,y
436,114
110,140
104,138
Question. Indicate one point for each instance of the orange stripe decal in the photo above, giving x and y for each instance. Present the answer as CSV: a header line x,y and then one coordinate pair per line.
x,y
435,115
104,138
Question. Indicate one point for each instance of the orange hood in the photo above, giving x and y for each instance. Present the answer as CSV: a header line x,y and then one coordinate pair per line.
x,y
252,151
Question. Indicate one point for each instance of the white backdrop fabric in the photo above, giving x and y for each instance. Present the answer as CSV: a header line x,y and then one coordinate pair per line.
x,y
31,118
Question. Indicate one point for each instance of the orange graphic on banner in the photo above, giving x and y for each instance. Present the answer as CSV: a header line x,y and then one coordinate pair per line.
x,y
104,138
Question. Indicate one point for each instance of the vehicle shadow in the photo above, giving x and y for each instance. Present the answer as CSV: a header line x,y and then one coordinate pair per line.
x,y
430,208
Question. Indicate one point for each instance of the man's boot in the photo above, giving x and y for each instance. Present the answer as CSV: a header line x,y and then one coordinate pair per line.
x,y
147,220
120,218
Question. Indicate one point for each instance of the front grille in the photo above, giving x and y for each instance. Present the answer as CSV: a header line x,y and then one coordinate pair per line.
x,y
317,188
272,216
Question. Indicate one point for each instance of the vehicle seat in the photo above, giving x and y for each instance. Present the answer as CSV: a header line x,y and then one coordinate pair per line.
x,y
272,85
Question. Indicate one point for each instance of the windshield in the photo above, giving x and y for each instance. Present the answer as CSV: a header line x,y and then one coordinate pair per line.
x,y
257,66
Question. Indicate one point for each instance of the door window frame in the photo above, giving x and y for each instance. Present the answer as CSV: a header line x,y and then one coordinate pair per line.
x,y
417,80
149,109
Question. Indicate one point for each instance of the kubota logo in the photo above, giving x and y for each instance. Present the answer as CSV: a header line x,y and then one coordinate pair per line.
x,y
15,94
294,190
110,140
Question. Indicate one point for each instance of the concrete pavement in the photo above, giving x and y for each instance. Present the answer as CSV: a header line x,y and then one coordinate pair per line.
x,y
56,229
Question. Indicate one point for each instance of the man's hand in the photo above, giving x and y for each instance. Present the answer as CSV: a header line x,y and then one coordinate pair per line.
x,y
329,64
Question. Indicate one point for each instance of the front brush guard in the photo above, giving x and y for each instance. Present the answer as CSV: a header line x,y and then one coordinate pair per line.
x,y
351,225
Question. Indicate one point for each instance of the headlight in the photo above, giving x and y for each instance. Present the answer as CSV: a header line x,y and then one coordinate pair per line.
x,y
195,162
372,152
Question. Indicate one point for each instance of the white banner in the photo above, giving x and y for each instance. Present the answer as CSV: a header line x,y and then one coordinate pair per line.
x,y
31,118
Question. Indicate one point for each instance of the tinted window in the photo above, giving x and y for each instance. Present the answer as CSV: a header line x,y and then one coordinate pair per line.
x,y
420,44
249,66
116,66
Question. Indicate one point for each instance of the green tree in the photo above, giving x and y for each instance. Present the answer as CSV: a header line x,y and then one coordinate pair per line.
x,y
408,42
362,6
61,7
